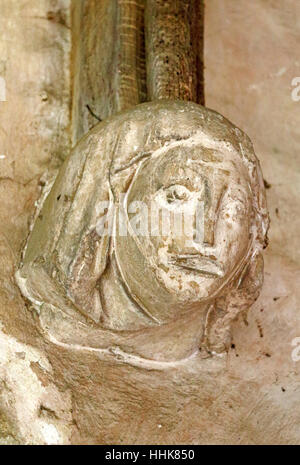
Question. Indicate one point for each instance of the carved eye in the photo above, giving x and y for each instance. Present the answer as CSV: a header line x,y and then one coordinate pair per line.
x,y
176,193
173,197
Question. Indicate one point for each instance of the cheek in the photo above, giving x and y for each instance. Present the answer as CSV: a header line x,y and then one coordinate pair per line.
x,y
233,232
188,287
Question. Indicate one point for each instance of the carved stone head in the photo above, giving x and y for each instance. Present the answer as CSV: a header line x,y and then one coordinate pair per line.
x,y
153,228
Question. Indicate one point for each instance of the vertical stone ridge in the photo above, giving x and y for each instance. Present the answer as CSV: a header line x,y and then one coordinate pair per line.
x,y
174,49
131,65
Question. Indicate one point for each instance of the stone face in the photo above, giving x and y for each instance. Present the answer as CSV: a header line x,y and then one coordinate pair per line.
x,y
147,276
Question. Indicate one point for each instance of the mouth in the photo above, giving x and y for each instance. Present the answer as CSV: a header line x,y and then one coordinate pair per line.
x,y
199,264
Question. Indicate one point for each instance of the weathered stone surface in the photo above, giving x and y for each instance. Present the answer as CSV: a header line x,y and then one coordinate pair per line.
x,y
108,60
249,80
109,74
34,61
174,44
36,410
34,121
250,396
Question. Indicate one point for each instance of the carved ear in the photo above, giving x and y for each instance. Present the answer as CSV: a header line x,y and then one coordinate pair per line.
x,y
238,299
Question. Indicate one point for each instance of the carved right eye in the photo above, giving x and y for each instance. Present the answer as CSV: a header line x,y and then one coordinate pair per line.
x,y
173,195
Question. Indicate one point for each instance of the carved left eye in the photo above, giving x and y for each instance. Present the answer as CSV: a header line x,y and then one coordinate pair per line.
x,y
173,197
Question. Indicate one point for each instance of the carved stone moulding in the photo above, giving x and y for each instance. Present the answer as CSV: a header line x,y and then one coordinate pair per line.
x,y
104,267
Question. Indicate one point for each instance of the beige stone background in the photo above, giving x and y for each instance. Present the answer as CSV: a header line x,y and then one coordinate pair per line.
x,y
50,395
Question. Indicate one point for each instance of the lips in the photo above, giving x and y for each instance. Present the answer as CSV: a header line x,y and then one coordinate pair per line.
x,y
199,264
